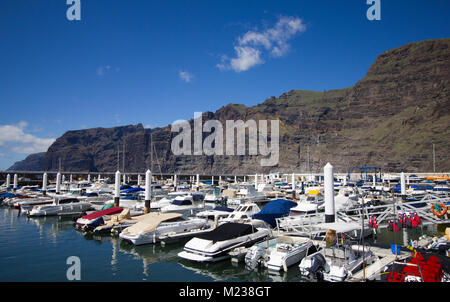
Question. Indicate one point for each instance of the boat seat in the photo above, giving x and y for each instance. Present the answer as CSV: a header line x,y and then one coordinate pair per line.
x,y
335,253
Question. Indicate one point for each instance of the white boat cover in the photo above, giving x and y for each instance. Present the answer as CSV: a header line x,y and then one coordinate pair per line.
x,y
339,227
150,222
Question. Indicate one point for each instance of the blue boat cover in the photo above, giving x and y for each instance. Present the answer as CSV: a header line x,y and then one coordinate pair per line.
x,y
133,190
274,209
91,194
9,195
124,187
225,209
183,202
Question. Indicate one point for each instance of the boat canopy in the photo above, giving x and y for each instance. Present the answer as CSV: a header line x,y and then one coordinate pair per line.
x,y
110,211
150,222
274,209
224,209
339,227
133,190
9,195
227,231
182,202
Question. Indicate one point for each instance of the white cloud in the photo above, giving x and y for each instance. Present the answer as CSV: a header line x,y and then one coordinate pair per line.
x,y
104,69
253,44
14,138
185,76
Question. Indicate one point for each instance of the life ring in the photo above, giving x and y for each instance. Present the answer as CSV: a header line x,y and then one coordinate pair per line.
x,y
439,209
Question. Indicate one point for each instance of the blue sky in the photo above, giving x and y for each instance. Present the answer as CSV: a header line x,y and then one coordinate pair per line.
x,y
154,62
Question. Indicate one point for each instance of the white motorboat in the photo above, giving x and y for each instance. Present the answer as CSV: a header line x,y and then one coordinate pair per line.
x,y
95,219
242,213
215,214
339,259
336,263
212,195
157,225
215,245
27,204
309,203
61,206
279,253
184,204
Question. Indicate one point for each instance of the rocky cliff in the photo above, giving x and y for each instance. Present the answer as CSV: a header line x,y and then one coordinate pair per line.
x,y
389,119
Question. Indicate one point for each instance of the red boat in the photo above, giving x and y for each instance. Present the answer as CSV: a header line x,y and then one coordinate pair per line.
x,y
93,220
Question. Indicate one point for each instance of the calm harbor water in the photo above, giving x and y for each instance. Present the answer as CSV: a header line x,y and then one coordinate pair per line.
x,y
36,249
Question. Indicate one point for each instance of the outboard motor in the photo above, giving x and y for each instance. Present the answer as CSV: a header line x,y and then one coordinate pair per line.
x,y
318,263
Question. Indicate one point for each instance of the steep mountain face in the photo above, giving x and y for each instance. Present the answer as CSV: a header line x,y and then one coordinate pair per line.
x,y
32,162
390,119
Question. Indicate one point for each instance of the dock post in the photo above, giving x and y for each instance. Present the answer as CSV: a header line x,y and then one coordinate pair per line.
x,y
256,181
198,182
8,181
174,182
44,184
58,183
212,180
374,180
89,178
403,186
139,180
293,186
329,193
16,184
71,178
148,191
117,190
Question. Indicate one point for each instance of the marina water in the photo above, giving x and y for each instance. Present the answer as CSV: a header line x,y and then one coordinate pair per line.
x,y
36,249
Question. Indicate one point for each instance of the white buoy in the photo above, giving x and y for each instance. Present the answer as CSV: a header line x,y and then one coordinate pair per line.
x,y
329,193
44,184
403,184
148,191
117,189
8,181
58,183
